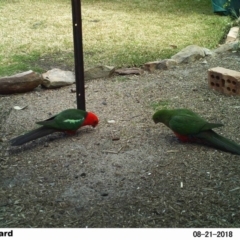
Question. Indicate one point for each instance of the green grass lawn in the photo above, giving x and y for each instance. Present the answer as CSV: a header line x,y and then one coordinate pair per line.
x,y
115,32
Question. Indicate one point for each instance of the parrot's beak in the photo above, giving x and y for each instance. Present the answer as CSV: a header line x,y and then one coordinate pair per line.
x,y
95,124
155,121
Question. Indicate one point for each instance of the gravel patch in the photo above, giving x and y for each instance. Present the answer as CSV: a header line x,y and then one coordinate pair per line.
x,y
131,173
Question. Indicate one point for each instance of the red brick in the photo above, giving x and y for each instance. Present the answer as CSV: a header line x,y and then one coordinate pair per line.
x,y
224,80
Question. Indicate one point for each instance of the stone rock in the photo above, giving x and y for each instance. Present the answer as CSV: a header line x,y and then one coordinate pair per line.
x,y
166,64
189,54
204,62
232,35
227,47
129,71
20,83
207,52
150,66
56,78
99,72
159,65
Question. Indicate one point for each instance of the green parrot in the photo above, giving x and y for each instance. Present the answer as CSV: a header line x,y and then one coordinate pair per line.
x,y
190,127
68,121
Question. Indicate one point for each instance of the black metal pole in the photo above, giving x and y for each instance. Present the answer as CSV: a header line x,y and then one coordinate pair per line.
x,y
78,53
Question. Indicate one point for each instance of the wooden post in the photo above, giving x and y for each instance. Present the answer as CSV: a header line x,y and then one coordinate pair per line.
x,y
78,53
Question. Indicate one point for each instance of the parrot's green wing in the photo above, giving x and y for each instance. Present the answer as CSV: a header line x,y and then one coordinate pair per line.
x,y
70,119
190,127
188,124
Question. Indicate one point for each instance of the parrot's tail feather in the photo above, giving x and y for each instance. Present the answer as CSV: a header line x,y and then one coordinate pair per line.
x,y
32,135
219,142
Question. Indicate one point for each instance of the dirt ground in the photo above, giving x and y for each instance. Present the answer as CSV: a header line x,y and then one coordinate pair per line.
x,y
131,173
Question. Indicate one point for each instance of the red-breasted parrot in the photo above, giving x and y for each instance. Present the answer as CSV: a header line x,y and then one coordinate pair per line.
x,y
68,121
190,127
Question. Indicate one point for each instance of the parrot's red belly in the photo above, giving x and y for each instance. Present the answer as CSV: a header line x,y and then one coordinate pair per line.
x,y
70,132
185,138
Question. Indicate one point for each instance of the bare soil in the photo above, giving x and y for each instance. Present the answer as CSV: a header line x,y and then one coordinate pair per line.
x,y
131,173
